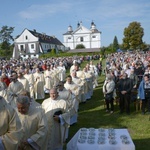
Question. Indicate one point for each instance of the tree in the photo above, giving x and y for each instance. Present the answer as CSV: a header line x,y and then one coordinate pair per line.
x,y
53,52
6,37
133,36
80,46
109,49
5,45
115,44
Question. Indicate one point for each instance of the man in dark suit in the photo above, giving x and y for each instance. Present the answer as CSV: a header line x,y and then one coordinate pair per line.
x,y
124,88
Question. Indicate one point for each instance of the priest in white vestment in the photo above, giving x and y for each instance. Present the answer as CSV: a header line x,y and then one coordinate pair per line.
x,y
90,70
10,127
72,68
89,79
14,89
34,125
81,84
39,83
62,71
55,74
3,90
29,77
49,82
79,72
73,88
65,94
58,117
68,97
23,80
94,69
75,91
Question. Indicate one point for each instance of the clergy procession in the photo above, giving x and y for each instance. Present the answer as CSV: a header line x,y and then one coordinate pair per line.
x,y
26,124
62,85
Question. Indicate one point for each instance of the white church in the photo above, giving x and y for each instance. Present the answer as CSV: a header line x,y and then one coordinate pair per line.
x,y
30,44
90,38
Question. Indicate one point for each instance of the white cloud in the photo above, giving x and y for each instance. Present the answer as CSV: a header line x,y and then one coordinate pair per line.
x,y
38,11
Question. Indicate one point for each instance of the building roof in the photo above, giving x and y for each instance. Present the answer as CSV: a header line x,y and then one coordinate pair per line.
x,y
68,33
95,31
43,38
84,50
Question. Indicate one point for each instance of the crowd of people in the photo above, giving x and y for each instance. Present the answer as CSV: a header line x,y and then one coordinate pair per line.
x,y
127,78
26,124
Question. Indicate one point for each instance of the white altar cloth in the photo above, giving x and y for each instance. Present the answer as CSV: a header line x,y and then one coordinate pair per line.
x,y
82,140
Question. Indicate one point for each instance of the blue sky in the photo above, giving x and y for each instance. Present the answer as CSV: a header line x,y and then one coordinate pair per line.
x,y
54,16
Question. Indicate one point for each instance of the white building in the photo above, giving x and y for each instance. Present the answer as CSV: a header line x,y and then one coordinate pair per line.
x,y
90,38
30,44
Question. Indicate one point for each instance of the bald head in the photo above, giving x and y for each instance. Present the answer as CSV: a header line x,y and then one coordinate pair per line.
x,y
53,93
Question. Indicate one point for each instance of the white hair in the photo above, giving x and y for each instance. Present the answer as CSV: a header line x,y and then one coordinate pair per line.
x,y
23,99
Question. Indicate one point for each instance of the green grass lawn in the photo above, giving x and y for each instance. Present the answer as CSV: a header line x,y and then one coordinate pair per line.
x,y
92,114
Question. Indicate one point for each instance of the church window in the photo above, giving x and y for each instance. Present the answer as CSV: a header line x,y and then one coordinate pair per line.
x,y
26,37
32,46
81,39
21,47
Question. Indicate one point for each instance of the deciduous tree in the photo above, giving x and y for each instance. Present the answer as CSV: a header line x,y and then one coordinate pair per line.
x,y
133,35
6,36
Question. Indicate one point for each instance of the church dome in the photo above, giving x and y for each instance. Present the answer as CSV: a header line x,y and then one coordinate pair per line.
x,y
70,28
92,23
78,25
93,26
